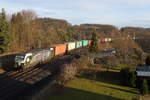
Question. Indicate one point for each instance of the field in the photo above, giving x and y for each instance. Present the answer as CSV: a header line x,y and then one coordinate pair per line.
x,y
85,89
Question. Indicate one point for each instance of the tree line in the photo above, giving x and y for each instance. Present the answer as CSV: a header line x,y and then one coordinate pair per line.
x,y
24,31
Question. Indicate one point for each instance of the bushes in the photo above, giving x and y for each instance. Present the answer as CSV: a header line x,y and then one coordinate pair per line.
x,y
132,79
67,72
128,77
124,76
144,87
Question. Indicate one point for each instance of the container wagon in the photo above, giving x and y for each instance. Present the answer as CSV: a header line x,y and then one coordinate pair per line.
x,y
78,44
106,40
59,49
109,39
71,46
85,43
102,40
89,42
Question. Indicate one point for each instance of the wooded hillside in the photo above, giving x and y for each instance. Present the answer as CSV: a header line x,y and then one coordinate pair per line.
x,y
26,31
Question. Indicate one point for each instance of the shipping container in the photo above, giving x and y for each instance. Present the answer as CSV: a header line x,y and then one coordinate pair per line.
x,y
100,40
71,46
78,44
85,42
90,41
105,39
59,49
109,39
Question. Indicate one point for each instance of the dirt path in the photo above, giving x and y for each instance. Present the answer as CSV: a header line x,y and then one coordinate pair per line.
x,y
147,97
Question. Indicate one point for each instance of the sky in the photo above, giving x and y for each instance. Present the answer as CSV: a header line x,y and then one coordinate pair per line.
x,y
116,12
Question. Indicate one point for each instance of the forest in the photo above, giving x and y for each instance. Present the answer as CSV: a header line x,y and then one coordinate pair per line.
x,y
25,31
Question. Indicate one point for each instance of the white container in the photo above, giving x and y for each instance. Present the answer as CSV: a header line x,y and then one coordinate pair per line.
x,y
71,46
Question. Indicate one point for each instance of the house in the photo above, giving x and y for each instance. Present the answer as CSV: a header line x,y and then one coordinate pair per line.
x,y
143,71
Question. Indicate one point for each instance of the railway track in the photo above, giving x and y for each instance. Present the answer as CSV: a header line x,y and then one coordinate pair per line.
x,y
14,82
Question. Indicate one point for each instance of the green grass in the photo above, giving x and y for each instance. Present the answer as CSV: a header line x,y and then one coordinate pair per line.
x,y
85,89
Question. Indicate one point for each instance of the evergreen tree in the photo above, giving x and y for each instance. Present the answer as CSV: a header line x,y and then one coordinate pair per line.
x,y
4,32
128,77
132,79
144,87
3,14
94,44
125,76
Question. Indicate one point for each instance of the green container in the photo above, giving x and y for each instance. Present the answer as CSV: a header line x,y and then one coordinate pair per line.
x,y
78,44
85,42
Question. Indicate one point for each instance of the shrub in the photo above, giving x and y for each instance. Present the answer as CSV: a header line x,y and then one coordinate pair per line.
x,y
144,87
67,72
132,79
125,76
128,77
120,66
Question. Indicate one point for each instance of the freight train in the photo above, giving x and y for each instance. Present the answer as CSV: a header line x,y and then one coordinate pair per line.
x,y
32,58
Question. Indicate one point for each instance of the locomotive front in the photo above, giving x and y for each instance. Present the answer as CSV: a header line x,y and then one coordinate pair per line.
x,y
21,59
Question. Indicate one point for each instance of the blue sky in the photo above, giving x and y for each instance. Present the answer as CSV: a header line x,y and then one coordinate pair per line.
x,y
116,12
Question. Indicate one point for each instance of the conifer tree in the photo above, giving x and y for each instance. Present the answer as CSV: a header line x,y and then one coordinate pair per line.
x,y
4,32
132,79
94,43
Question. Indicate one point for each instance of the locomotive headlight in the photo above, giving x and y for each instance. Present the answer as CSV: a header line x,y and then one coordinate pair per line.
x,y
19,64
28,59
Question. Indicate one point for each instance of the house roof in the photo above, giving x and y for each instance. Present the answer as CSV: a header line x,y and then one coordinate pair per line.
x,y
143,68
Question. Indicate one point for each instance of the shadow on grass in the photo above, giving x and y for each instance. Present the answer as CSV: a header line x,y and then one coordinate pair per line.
x,y
104,76
76,94
124,90
109,78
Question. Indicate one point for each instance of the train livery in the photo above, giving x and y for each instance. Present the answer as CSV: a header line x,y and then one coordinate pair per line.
x,y
32,58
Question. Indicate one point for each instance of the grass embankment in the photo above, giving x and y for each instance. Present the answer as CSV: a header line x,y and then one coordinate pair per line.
x,y
86,89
